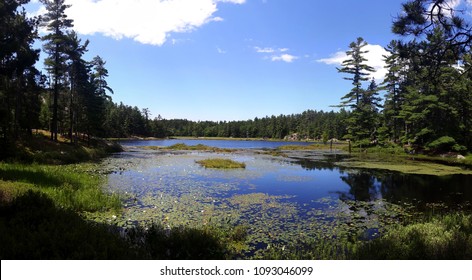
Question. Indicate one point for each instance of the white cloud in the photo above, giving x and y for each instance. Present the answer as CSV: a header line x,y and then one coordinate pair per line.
x,y
277,54
284,57
335,59
374,58
264,50
145,21
448,6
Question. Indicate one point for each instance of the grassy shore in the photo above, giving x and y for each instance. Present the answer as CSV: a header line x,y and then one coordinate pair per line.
x,y
392,158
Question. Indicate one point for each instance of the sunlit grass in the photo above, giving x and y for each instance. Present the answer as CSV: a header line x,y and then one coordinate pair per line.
x,y
438,237
69,186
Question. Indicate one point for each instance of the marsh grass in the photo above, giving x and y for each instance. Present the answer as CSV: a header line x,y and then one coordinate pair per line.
x,y
439,237
446,236
221,163
33,227
70,186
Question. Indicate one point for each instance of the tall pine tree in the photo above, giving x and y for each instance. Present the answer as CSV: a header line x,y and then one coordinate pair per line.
x,y
56,22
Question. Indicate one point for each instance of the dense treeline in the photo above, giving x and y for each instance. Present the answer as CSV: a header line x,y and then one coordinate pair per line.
x,y
69,98
426,104
125,121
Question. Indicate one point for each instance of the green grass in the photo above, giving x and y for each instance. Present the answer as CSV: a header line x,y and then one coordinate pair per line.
x,y
76,187
440,237
221,163
33,227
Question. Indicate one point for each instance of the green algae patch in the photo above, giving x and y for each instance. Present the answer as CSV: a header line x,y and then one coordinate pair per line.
x,y
221,163
408,167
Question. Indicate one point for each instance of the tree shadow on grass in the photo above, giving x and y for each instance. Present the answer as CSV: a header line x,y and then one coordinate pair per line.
x,y
31,227
35,177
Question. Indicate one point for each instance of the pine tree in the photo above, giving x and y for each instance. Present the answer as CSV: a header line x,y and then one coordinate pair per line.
x,y
19,90
394,85
96,99
56,22
357,69
78,73
364,103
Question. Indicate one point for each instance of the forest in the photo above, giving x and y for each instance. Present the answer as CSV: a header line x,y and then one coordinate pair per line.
x,y
424,101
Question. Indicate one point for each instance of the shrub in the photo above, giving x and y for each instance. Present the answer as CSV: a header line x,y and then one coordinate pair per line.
x,y
442,144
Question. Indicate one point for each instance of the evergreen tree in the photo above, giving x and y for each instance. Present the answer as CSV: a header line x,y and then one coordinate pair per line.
x,y
357,69
361,125
78,72
394,85
19,79
56,22
96,100
429,92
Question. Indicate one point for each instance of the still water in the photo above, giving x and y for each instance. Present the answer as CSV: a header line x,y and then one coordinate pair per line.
x,y
224,144
278,199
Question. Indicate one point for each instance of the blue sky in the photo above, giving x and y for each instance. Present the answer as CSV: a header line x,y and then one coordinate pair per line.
x,y
230,59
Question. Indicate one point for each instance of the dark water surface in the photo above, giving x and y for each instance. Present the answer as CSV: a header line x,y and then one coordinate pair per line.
x,y
279,199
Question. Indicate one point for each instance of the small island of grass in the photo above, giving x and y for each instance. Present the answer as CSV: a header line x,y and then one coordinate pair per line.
x,y
221,163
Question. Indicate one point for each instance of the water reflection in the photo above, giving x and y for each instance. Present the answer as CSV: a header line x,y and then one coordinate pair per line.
x,y
280,199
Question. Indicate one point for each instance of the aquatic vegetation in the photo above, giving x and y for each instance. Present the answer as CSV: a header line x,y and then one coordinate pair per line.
x,y
274,208
221,163
313,147
408,167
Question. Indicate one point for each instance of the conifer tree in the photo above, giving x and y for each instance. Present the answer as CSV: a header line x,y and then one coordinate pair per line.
x,y
364,103
19,91
357,69
56,22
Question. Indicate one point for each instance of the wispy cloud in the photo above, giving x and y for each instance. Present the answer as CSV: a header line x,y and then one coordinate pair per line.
x,y
374,59
279,54
146,21
284,57
264,50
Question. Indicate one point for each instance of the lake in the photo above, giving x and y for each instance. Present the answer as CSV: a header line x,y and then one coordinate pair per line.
x,y
279,199
224,144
